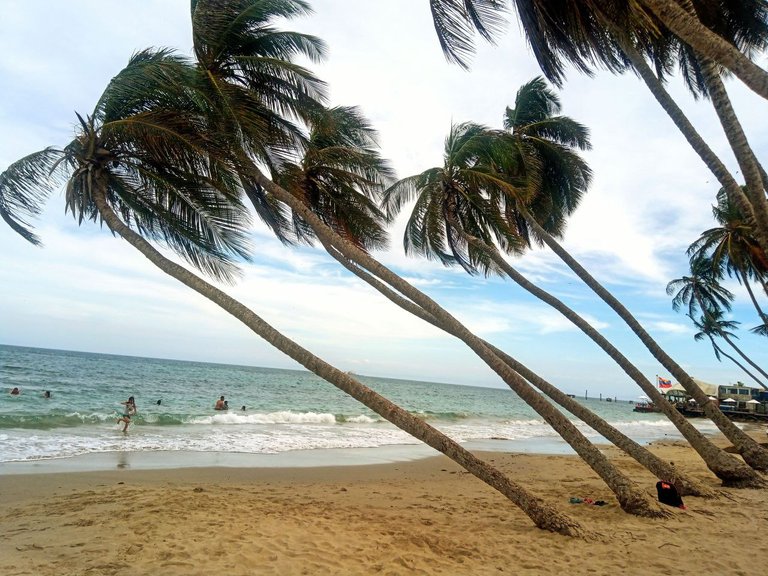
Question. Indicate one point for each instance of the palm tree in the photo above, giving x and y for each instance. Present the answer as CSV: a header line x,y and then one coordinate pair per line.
x,y
701,292
731,248
454,221
711,325
144,164
544,143
253,144
748,31
338,163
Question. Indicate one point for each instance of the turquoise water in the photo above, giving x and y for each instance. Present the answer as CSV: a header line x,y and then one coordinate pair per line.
x,y
285,410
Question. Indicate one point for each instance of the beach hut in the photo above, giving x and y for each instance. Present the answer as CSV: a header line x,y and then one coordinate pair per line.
x,y
677,394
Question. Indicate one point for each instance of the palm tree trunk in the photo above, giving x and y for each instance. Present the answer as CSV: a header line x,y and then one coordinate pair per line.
x,y
746,358
630,498
689,29
543,515
724,177
755,303
750,450
738,141
719,351
684,484
724,466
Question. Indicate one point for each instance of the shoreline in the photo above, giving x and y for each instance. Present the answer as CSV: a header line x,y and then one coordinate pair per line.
x,y
172,459
423,516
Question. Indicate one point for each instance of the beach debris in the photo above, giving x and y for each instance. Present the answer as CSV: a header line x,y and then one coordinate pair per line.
x,y
575,500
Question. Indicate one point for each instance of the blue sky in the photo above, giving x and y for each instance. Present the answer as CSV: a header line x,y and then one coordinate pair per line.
x,y
651,197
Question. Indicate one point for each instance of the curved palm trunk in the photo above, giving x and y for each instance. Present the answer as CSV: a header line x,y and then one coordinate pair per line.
x,y
718,169
719,351
689,29
751,451
630,498
738,141
543,515
752,297
724,466
684,484
746,358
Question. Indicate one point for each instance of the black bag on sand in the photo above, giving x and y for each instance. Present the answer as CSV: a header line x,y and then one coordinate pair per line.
x,y
668,494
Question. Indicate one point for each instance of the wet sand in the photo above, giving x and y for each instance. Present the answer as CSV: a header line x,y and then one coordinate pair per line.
x,y
425,516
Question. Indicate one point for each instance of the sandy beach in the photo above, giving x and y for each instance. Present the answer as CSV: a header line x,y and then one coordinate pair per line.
x,y
426,516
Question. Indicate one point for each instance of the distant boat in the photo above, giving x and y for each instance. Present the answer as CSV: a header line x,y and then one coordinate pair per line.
x,y
646,407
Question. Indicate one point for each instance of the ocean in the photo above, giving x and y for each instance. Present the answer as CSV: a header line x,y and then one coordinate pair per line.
x,y
290,417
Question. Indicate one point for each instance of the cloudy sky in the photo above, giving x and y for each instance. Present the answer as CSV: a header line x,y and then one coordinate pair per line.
x,y
651,197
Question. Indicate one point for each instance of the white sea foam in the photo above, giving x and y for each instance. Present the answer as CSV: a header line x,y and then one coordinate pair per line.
x,y
282,417
296,410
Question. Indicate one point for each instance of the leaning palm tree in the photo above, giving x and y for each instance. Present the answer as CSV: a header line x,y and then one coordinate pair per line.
x,y
712,324
454,221
747,30
731,248
543,144
701,292
339,172
145,164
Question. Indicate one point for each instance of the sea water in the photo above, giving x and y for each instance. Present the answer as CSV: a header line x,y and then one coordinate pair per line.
x,y
287,412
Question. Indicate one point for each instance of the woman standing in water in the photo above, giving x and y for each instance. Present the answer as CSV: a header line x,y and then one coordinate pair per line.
x,y
128,412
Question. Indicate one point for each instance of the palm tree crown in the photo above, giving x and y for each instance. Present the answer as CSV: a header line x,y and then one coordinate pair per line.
x,y
147,149
340,177
544,147
700,291
248,71
456,198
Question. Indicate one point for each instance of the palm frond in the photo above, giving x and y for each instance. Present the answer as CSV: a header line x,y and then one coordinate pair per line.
x,y
457,21
24,186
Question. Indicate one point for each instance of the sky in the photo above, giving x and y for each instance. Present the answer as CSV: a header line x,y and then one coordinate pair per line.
x,y
651,197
